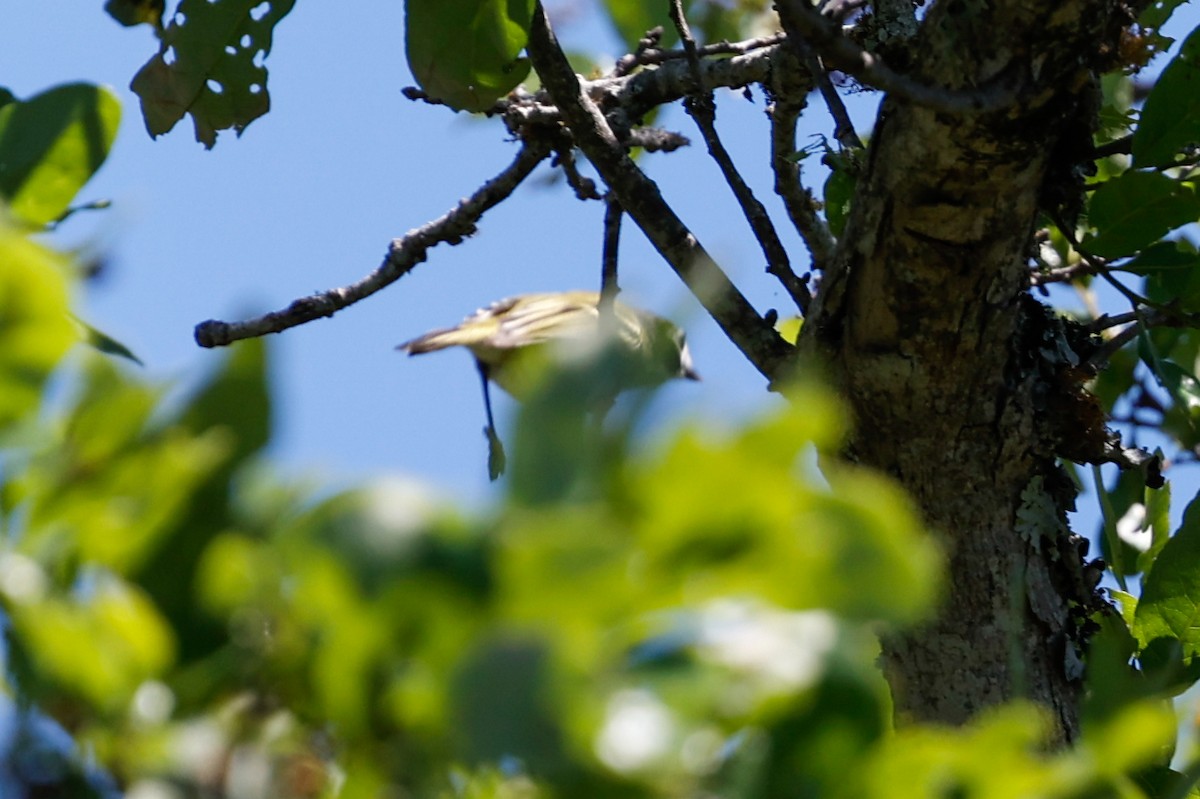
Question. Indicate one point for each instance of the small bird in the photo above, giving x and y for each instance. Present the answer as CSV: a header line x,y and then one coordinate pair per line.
x,y
511,339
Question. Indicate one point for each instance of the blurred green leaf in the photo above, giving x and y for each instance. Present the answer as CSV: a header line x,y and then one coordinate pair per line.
x,y
466,52
233,412
125,639
1135,210
1170,119
51,144
209,65
633,20
1002,754
35,329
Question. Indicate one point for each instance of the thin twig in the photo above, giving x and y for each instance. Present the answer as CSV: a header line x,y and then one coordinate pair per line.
x,y
825,36
1061,274
701,107
584,187
641,199
843,126
1112,320
403,254
1137,321
799,202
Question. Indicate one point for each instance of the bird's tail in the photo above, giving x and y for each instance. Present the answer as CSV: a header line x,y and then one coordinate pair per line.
x,y
440,340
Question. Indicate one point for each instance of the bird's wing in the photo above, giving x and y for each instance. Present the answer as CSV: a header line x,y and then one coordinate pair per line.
x,y
526,320
475,329
538,318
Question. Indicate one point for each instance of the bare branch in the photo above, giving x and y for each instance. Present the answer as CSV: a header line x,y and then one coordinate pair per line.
x,y
641,199
1121,146
700,107
1061,274
403,255
657,140
838,52
1136,321
843,126
564,158
633,96
652,55
799,202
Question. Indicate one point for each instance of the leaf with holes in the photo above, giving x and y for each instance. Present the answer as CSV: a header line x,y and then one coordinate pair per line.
x,y
51,144
210,66
466,52
1135,210
1170,120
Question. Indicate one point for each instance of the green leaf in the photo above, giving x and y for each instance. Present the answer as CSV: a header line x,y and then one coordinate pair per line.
x,y
209,65
1002,752
236,400
1182,385
1158,509
135,12
113,480
234,409
466,52
1135,210
839,192
35,329
633,19
1170,119
126,639
1158,12
1164,256
106,343
1170,603
51,144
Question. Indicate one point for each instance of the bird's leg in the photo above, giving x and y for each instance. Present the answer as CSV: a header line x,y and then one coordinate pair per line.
x,y
496,457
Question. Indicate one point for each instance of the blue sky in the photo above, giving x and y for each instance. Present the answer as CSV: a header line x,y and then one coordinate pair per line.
x,y
308,199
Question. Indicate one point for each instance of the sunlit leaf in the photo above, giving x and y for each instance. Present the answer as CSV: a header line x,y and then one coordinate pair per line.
x,y
466,52
126,640
1170,602
35,329
51,144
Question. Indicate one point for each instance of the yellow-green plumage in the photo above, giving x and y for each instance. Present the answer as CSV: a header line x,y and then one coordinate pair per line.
x,y
506,333
518,340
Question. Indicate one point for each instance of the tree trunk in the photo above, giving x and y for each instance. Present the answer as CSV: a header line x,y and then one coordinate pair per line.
x,y
926,321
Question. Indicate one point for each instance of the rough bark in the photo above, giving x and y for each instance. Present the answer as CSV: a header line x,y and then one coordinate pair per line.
x,y
925,319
